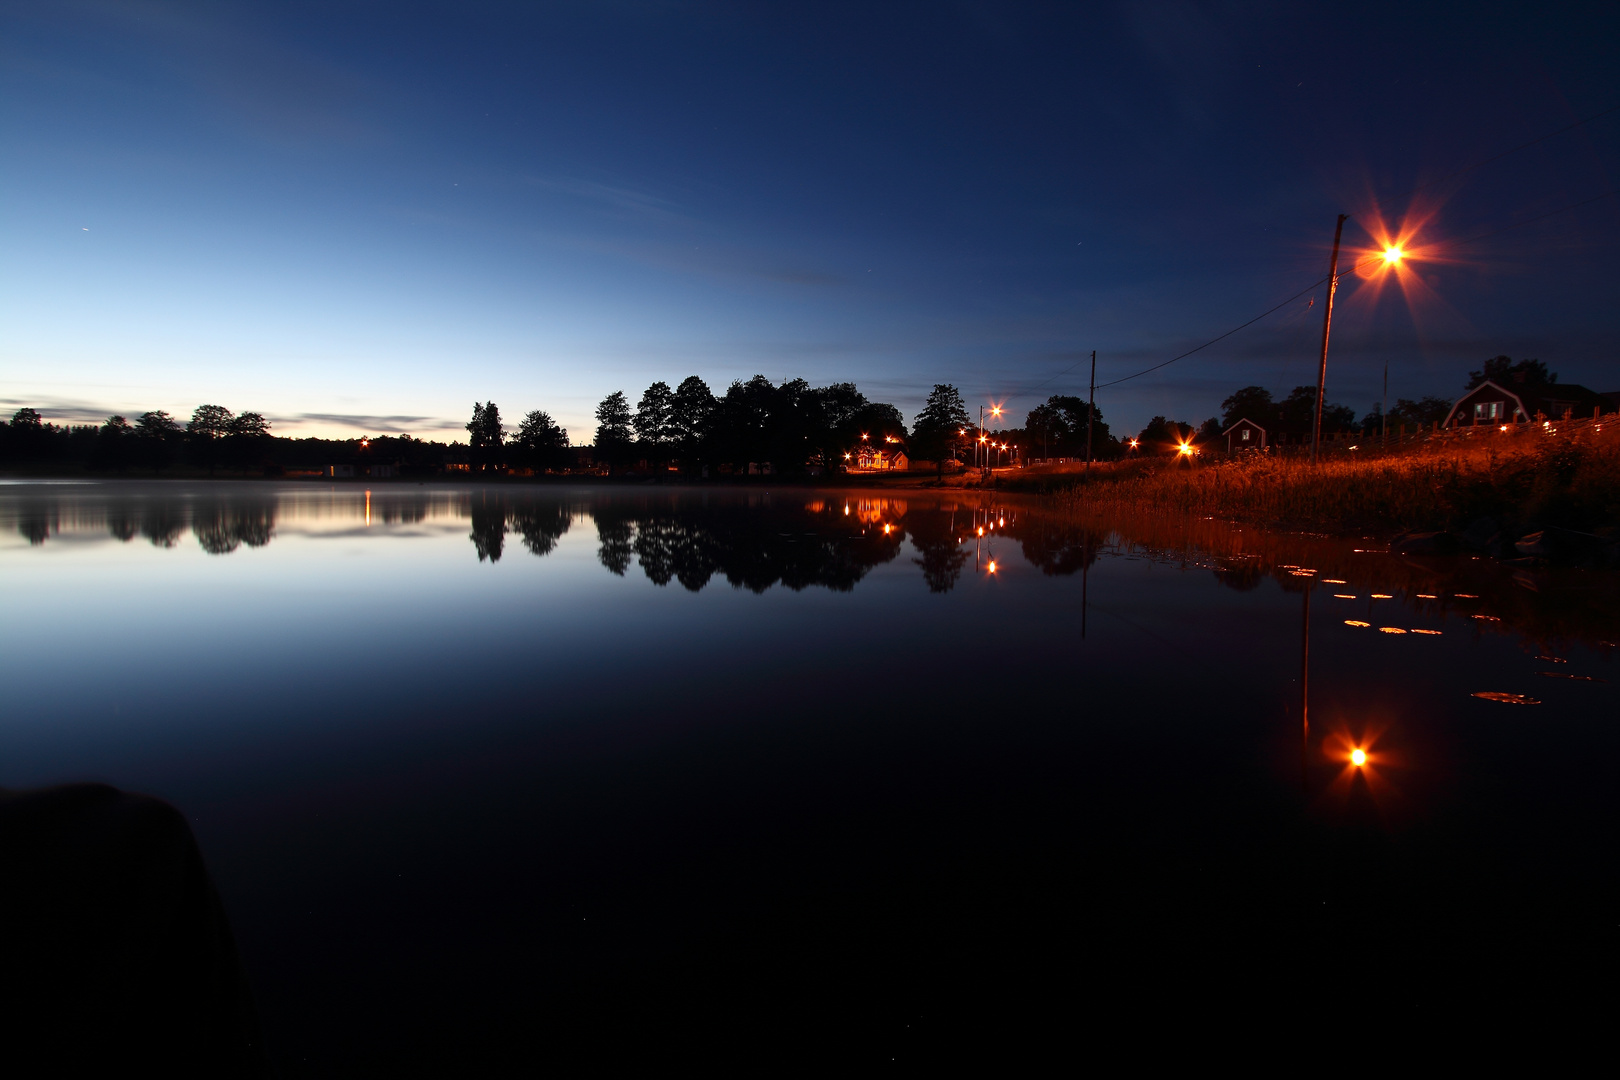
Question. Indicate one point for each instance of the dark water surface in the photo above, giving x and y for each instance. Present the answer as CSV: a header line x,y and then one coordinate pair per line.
x,y
539,777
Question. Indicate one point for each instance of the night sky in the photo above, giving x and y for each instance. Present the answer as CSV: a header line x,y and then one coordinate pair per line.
x,y
363,217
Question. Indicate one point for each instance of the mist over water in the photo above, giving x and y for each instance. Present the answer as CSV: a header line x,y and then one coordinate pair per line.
x,y
560,772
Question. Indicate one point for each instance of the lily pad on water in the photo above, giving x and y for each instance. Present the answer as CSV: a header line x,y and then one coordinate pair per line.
x,y
1506,698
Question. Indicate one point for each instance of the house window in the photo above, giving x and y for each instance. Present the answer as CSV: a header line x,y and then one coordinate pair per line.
x,y
1487,411
1245,434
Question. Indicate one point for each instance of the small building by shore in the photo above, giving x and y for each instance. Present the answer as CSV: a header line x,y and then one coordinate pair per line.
x,y
1492,403
1245,435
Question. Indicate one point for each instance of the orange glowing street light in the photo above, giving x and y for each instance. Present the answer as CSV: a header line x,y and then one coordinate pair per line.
x,y
1358,757
1393,254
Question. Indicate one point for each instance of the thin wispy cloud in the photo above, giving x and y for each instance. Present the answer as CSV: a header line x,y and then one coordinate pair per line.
x,y
389,425
630,202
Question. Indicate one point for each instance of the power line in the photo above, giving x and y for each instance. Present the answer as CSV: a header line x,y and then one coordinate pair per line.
x,y
1357,266
1406,194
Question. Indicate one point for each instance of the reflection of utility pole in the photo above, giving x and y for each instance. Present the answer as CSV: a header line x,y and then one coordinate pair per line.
x,y
1091,409
1305,686
1085,579
1327,325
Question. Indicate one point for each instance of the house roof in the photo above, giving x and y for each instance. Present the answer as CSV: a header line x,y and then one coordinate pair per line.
x,y
1240,423
1548,398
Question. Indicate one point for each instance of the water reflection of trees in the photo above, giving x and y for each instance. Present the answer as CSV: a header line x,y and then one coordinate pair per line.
x,y
539,524
1058,548
937,536
796,543
222,527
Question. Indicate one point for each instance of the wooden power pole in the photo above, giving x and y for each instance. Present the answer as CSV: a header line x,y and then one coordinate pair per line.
x,y
1327,325
1091,408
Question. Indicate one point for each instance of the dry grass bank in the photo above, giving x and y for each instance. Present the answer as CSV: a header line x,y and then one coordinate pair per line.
x,y
1567,476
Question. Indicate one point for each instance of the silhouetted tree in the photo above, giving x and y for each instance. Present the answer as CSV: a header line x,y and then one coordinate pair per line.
x,y
937,428
1427,412
485,436
541,443
114,445
1057,428
1253,403
1297,414
654,422
26,436
156,434
691,407
1502,371
246,438
614,433
1162,436
208,427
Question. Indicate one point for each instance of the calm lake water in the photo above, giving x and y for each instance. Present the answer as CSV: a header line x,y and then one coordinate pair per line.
x,y
561,776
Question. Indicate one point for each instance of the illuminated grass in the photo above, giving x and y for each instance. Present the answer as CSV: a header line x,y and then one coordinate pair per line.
x,y
1568,478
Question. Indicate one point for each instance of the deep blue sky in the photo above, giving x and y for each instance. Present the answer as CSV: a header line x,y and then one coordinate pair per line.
x,y
366,216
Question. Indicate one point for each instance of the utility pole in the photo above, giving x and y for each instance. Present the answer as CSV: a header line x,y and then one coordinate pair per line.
x,y
1327,325
1091,409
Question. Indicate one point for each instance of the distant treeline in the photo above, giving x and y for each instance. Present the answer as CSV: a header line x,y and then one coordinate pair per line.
x,y
1291,419
791,426
213,439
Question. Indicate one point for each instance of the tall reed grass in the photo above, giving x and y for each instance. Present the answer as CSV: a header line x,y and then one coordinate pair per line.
x,y
1568,477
